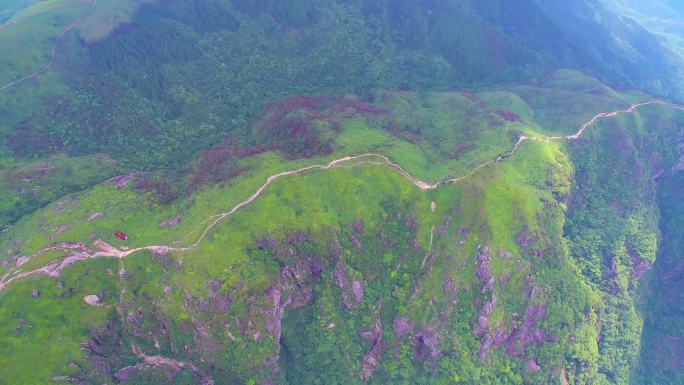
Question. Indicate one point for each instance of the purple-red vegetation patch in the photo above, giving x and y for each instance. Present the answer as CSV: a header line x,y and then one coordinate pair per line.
x,y
508,115
220,163
292,124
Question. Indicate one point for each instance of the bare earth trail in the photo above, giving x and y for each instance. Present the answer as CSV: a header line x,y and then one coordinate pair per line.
x,y
80,251
53,51
15,21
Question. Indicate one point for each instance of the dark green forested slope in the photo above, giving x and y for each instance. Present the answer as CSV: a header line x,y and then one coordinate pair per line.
x,y
186,72
663,338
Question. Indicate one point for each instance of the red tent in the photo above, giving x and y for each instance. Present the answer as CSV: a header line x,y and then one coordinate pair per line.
x,y
121,236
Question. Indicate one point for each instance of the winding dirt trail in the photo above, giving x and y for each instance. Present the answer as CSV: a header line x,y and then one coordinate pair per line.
x,y
53,50
80,251
15,21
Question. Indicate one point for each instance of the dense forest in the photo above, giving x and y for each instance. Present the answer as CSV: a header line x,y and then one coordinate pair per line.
x,y
213,65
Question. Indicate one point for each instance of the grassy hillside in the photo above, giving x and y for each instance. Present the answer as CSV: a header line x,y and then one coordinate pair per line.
x,y
525,272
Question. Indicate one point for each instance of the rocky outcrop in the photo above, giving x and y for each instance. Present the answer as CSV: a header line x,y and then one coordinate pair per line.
x,y
273,314
426,343
487,281
358,226
370,361
298,281
532,366
20,325
92,300
526,333
484,270
350,289
171,222
640,267
126,374
62,228
402,326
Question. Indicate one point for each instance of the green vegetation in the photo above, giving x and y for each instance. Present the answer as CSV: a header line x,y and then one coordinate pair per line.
x,y
353,273
446,251
26,186
42,336
131,79
662,303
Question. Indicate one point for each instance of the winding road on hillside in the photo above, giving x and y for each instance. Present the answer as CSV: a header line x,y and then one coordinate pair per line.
x,y
80,251
53,51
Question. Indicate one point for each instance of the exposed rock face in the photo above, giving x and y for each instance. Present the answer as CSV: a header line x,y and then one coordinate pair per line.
x,y
294,287
35,293
528,243
171,222
505,255
299,237
523,239
448,285
386,240
351,290
62,228
532,366
612,273
355,241
402,326
95,216
202,305
221,302
298,281
640,267
370,361
527,333
484,276
357,290
121,181
273,314
358,226
126,374
426,343
484,272
20,325
521,334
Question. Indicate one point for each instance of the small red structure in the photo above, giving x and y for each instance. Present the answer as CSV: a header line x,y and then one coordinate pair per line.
x,y
121,236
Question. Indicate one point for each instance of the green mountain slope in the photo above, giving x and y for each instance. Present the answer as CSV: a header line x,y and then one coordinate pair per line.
x,y
339,192
526,271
